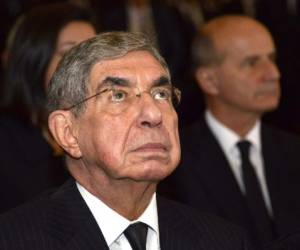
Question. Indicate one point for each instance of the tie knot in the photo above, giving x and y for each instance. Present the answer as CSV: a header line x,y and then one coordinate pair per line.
x,y
244,147
137,234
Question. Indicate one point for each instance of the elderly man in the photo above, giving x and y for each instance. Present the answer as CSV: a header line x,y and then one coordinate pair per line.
x,y
233,165
111,106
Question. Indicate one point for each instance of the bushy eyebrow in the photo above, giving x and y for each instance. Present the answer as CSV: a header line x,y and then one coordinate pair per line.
x,y
162,81
110,81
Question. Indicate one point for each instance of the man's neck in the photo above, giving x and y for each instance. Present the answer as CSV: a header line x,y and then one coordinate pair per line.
x,y
240,122
126,197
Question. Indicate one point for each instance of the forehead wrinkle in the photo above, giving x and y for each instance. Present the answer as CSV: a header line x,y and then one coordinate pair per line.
x,y
271,54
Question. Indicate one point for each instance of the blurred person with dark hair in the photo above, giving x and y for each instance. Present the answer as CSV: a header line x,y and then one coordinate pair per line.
x,y
30,160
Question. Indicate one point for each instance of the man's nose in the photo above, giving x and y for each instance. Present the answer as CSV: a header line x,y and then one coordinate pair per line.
x,y
150,114
271,71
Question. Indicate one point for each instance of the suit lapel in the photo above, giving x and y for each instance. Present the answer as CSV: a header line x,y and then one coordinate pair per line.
x,y
281,161
273,160
71,223
175,231
215,174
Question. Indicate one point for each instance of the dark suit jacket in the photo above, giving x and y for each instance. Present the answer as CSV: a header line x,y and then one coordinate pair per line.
x,y
288,242
62,220
204,179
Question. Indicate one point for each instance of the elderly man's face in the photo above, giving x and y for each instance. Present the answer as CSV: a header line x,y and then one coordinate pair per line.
x,y
139,142
248,78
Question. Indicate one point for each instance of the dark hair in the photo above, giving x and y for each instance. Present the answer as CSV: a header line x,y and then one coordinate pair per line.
x,y
69,84
32,47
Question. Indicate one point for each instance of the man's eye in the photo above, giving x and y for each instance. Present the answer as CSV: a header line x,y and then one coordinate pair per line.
x,y
118,95
161,94
251,62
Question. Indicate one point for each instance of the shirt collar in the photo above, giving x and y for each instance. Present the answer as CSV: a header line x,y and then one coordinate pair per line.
x,y
111,223
254,136
228,138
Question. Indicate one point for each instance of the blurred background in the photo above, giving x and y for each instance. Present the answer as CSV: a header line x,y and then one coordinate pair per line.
x,y
173,24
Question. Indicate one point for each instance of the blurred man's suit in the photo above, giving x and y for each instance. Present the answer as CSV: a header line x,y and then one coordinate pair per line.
x,y
205,181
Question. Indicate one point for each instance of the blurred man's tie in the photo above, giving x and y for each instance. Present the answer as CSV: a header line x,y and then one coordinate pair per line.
x,y
254,196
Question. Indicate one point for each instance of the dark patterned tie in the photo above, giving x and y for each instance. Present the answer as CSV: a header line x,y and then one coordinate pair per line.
x,y
254,197
136,234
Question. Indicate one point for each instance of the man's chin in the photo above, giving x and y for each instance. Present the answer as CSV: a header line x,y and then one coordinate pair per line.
x,y
153,172
269,108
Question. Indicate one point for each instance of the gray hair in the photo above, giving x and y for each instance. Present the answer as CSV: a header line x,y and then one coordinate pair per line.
x,y
204,52
69,84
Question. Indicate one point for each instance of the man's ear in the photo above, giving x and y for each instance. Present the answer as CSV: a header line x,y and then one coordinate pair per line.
x,y
207,80
63,129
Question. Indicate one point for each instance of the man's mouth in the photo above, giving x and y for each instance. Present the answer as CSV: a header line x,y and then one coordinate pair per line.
x,y
151,147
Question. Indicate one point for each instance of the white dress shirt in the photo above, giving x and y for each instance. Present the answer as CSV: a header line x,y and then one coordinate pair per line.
x,y
228,139
112,224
